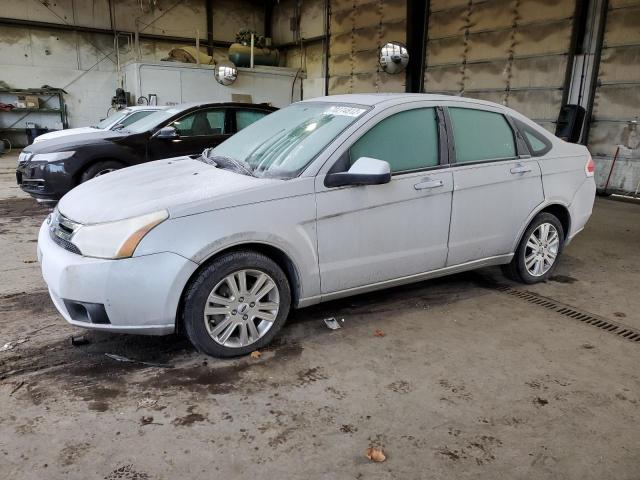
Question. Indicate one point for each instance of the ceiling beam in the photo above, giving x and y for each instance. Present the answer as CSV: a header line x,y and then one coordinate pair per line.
x,y
15,22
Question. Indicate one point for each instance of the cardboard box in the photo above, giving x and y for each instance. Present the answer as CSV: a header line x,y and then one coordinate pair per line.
x,y
28,101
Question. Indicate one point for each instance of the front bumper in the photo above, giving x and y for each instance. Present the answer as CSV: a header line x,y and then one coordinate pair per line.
x,y
44,180
139,294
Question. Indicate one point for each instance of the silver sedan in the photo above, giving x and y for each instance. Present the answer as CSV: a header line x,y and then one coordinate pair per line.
x,y
323,199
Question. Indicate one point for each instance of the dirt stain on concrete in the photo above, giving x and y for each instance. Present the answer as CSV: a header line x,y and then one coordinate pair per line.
x,y
34,303
189,419
562,279
22,207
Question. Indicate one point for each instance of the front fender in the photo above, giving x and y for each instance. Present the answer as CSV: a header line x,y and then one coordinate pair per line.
x,y
288,225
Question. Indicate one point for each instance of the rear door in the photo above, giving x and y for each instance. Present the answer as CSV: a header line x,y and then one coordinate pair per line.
x,y
197,130
496,184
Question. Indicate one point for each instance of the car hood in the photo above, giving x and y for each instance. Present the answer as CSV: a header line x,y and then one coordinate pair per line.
x,y
65,133
70,142
181,185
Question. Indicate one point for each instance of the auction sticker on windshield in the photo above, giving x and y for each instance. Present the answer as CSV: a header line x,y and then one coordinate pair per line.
x,y
344,111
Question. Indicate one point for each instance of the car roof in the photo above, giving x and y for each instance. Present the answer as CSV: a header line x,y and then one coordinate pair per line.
x,y
372,99
188,105
146,107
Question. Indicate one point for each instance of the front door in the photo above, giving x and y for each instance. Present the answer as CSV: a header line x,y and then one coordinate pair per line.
x,y
371,234
196,131
495,189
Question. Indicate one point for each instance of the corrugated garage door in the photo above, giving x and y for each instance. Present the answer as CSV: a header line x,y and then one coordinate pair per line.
x,y
357,30
617,98
512,52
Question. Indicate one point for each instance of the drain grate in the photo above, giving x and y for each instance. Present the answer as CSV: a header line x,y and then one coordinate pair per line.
x,y
609,326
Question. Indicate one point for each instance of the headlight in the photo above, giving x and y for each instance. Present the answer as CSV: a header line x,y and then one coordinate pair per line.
x,y
51,157
116,239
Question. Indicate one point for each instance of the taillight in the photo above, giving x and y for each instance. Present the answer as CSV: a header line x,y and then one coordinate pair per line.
x,y
590,167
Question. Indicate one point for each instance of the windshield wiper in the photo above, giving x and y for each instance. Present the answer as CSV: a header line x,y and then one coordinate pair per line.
x,y
219,161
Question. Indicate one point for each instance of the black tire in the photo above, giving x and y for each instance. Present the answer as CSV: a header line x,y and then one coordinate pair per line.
x,y
516,270
197,293
100,168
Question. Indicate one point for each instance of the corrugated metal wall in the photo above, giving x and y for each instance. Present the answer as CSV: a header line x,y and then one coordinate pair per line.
x,y
617,98
358,28
512,52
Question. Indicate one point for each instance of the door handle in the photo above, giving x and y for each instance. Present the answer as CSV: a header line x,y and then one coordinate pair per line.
x,y
428,183
520,169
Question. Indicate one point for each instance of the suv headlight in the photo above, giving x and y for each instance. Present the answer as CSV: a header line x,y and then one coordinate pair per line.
x,y
51,157
116,239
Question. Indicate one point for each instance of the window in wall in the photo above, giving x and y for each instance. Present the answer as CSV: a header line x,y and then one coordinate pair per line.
x,y
407,140
481,135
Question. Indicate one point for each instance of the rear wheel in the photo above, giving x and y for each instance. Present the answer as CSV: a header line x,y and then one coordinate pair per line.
x,y
537,255
236,305
100,168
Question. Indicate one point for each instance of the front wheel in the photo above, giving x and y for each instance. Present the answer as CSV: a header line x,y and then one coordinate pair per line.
x,y
100,168
236,305
537,254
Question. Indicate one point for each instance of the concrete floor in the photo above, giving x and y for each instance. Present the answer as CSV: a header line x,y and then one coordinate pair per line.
x,y
467,381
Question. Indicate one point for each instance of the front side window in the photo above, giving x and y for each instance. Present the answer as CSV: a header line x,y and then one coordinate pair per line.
x,y
283,143
481,135
406,140
244,118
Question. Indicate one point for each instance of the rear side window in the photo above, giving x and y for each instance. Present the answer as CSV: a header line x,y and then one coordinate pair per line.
x,y
244,118
407,140
538,144
480,135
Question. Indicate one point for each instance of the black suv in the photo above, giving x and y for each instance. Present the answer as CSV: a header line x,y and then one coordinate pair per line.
x,y
49,169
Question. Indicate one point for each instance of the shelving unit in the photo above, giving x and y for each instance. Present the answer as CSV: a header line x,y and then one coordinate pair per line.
x,y
13,122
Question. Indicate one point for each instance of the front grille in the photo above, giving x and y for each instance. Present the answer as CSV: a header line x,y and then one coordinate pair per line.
x,y
61,230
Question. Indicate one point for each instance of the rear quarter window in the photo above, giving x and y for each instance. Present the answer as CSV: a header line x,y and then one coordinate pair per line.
x,y
537,143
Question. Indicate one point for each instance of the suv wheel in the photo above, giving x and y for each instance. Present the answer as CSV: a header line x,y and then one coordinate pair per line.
x,y
537,255
236,305
100,168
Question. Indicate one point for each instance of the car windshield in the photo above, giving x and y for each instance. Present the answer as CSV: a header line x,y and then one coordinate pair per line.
x,y
112,119
283,143
151,121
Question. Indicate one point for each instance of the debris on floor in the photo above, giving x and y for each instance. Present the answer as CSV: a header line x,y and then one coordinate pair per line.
x,y
147,403
16,388
79,340
120,358
375,454
256,354
332,323
11,345
146,420
379,333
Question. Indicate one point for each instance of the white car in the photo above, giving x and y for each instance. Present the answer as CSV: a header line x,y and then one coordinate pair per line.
x,y
323,199
120,118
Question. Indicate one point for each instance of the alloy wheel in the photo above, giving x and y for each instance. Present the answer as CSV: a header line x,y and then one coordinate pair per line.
x,y
541,249
241,308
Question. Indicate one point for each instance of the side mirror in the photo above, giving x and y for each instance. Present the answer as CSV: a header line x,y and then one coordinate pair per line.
x,y
365,171
167,133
